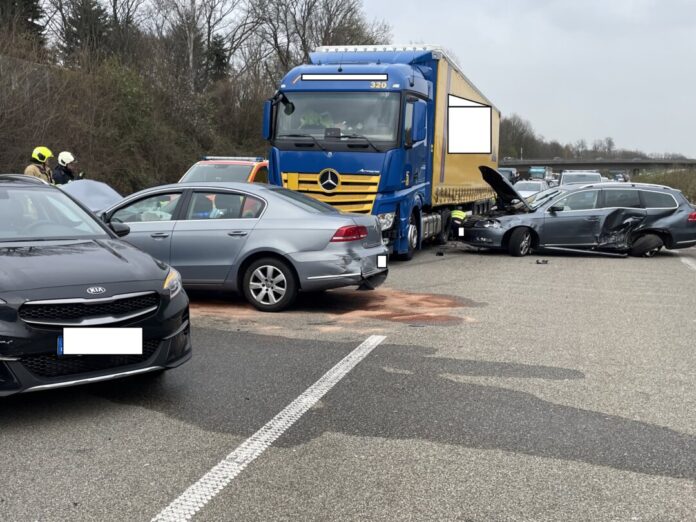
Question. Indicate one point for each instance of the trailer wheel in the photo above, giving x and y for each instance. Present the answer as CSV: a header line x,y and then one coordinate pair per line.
x,y
647,245
443,236
412,239
520,242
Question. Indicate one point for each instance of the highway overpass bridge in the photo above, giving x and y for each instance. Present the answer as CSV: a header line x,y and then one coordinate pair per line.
x,y
604,165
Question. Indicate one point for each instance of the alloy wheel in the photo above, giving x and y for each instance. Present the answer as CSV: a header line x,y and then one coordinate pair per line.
x,y
525,244
268,285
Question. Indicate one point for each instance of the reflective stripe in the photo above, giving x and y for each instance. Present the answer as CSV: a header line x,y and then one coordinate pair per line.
x,y
458,214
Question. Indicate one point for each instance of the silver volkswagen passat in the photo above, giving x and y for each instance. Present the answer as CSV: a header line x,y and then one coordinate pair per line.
x,y
265,241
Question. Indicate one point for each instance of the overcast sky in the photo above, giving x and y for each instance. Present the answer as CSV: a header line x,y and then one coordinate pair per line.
x,y
575,69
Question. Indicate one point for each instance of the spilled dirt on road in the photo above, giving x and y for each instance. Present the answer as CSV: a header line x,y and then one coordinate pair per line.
x,y
338,309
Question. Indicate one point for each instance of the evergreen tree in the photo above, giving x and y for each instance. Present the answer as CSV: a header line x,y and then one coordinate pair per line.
x,y
216,59
86,30
22,16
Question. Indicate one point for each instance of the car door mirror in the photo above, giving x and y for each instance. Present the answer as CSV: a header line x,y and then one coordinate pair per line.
x,y
120,229
556,208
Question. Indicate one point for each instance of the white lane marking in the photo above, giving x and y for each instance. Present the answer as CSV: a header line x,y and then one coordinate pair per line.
x,y
688,262
210,484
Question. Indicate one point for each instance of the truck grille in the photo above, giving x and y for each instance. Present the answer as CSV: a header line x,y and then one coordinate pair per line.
x,y
53,365
86,312
354,193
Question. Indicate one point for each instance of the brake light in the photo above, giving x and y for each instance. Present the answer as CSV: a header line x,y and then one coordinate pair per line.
x,y
349,233
692,218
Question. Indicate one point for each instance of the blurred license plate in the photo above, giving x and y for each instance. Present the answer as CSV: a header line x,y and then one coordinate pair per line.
x,y
101,341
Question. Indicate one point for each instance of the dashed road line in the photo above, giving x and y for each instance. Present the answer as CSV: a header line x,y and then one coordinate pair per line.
x,y
200,493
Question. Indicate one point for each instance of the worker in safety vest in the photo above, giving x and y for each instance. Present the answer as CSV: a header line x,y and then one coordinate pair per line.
x,y
39,167
458,216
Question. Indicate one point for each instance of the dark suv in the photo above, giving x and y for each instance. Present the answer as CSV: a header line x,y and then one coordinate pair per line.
x,y
620,218
77,305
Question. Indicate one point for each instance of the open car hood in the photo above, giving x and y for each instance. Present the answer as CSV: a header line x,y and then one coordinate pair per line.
x,y
506,193
95,195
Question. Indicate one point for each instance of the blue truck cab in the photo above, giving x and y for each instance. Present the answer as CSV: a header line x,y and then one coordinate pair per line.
x,y
364,130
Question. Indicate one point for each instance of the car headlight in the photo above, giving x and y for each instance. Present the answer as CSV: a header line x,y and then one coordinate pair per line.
x,y
386,220
172,283
488,223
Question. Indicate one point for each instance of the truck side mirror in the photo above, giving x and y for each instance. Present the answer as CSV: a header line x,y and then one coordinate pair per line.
x,y
418,126
267,112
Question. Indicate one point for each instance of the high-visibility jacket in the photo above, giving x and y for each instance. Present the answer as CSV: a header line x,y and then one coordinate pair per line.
x,y
458,214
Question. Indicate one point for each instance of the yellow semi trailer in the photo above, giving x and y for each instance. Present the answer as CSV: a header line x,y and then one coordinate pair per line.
x,y
395,131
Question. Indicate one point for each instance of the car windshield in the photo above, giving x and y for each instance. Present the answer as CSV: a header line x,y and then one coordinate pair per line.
x,y
584,177
528,185
217,172
540,198
305,202
43,214
373,115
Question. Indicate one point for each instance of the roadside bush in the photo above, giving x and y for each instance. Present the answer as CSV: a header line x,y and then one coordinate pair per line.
x,y
684,180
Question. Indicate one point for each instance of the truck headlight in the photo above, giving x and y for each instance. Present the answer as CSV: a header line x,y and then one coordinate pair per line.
x,y
386,220
172,283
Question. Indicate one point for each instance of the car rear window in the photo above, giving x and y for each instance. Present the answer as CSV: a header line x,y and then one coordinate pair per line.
x,y
658,199
588,177
622,198
211,172
307,203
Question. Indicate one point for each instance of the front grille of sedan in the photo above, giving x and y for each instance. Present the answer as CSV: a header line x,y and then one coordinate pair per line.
x,y
89,312
53,365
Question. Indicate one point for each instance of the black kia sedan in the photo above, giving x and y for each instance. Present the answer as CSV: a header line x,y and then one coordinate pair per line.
x,y
77,304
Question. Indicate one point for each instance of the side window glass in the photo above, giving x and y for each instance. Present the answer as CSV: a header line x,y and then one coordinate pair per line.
x,y
658,200
261,175
160,207
252,208
408,120
215,205
622,198
585,200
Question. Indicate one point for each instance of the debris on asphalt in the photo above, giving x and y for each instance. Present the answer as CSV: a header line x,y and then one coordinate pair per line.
x,y
542,261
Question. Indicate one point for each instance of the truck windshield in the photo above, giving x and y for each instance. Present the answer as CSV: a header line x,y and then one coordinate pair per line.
x,y
340,116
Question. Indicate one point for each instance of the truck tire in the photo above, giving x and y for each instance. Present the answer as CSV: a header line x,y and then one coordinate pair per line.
x,y
443,236
647,245
520,242
269,285
412,239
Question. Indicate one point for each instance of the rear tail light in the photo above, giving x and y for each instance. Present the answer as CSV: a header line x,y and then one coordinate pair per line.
x,y
692,218
349,233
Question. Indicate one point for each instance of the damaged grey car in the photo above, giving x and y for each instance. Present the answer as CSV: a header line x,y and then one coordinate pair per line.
x,y
603,218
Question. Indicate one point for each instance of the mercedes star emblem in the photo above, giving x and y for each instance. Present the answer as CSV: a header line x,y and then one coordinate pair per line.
x,y
329,180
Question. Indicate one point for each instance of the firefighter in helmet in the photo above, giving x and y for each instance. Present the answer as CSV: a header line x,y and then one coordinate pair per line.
x,y
65,170
39,167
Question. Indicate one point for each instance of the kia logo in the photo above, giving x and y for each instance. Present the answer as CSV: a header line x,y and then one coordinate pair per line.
x,y
96,290
329,180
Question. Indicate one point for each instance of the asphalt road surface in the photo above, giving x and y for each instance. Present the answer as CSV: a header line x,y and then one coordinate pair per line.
x,y
491,388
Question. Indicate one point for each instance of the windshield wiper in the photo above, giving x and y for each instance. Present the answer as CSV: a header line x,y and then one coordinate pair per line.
x,y
360,137
316,141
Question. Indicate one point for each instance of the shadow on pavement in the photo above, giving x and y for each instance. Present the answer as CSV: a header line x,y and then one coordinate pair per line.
x,y
395,393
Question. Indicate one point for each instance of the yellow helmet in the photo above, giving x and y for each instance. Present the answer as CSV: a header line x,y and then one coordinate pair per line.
x,y
41,154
